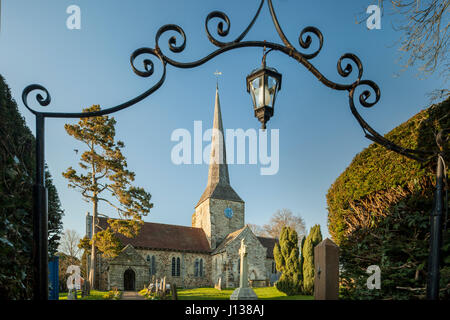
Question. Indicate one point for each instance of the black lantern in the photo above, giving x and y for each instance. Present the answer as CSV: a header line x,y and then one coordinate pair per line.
x,y
263,85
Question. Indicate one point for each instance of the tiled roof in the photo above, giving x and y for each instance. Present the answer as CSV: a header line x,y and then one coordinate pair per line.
x,y
165,237
219,191
268,243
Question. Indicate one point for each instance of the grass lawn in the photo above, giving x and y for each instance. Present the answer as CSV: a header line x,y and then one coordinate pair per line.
x,y
95,295
266,293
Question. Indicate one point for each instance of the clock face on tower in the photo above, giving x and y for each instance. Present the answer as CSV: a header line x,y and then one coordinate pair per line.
x,y
228,212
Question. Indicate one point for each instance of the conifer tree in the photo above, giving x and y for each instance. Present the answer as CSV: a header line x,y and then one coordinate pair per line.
x,y
302,257
17,171
106,179
286,256
314,238
55,214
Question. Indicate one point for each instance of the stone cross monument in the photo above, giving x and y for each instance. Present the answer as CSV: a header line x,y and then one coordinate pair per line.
x,y
243,292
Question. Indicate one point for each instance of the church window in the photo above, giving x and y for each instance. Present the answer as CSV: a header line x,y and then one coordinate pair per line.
x,y
152,261
198,267
176,267
153,265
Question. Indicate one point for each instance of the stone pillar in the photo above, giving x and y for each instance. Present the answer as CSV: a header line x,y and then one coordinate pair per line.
x,y
326,265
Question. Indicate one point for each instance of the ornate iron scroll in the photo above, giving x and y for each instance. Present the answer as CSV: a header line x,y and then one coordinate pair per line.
x,y
177,44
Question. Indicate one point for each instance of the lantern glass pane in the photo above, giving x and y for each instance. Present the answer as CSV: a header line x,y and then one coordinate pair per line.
x,y
255,90
272,90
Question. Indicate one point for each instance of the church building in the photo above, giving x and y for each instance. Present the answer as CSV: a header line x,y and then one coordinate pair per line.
x,y
196,256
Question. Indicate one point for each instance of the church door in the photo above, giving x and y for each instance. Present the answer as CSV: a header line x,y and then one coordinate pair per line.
x,y
129,280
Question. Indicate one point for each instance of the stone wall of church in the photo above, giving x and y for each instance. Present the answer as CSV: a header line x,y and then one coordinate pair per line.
x,y
272,277
187,278
221,225
255,257
226,264
218,268
102,274
201,219
116,277
210,216
112,271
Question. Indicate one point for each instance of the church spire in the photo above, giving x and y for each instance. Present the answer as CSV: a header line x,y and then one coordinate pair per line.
x,y
218,167
218,186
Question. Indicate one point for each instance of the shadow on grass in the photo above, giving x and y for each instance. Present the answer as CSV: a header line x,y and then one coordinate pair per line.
x,y
266,293
95,295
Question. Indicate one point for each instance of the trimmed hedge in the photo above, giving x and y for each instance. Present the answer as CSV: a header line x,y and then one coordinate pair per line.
x,y
379,210
16,181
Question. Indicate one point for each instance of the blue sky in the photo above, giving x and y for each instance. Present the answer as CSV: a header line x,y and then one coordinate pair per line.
x,y
318,134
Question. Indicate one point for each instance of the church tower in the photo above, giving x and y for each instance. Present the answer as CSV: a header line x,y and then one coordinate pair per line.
x,y
220,210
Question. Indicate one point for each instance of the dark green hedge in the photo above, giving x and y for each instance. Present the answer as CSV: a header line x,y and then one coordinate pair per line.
x,y
16,180
379,210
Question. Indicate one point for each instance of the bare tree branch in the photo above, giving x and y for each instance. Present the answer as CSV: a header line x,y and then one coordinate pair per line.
x,y
425,34
69,244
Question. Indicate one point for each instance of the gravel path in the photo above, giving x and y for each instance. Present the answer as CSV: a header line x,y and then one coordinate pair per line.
x,y
131,295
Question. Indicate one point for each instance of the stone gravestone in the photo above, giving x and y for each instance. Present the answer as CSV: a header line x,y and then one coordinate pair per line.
x,y
326,266
173,287
157,288
83,288
218,285
243,292
72,295
163,287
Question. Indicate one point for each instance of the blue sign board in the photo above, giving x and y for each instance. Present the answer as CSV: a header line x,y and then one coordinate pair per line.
x,y
53,278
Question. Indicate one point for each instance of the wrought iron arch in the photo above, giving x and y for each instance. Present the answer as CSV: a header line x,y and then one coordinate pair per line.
x,y
305,40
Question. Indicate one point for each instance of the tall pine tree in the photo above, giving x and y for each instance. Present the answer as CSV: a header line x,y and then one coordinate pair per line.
x,y
106,179
314,238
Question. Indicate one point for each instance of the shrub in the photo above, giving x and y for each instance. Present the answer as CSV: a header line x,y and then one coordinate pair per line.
x,y
379,210
113,295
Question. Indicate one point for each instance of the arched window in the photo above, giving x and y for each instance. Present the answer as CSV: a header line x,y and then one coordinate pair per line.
x,y
152,261
176,267
173,266
153,266
198,267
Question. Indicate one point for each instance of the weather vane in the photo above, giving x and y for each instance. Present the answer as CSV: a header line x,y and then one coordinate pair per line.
x,y
217,74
